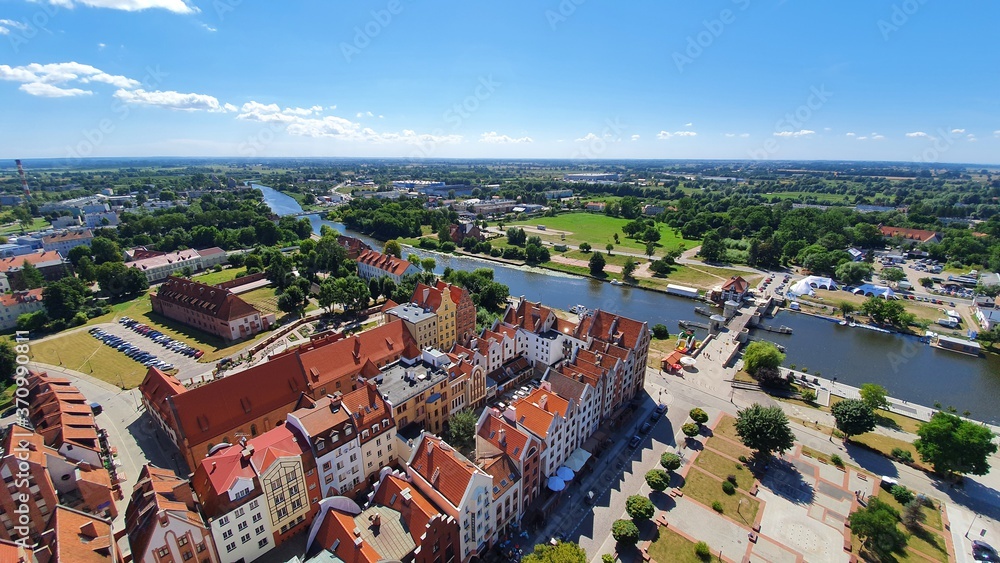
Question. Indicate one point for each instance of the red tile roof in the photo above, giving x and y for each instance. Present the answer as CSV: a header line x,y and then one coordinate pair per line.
x,y
527,315
11,552
35,258
216,302
80,538
338,528
537,420
500,468
29,296
158,492
385,262
325,363
505,437
417,511
367,408
156,387
216,474
737,284
910,234
444,468
277,443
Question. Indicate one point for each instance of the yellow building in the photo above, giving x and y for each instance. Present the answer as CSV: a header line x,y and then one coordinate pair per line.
x,y
422,323
456,313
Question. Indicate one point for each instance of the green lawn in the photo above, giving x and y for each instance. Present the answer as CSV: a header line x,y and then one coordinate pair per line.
x,y
722,468
264,298
671,547
599,230
932,515
707,490
727,428
15,228
82,352
926,541
213,278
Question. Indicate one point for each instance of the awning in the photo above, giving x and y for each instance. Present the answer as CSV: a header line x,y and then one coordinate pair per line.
x,y
565,473
578,459
556,484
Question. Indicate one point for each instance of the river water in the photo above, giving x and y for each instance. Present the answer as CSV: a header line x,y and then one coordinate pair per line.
x,y
909,369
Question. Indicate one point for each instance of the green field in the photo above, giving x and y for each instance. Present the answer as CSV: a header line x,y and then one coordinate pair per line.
x,y
82,352
671,547
15,228
212,278
599,230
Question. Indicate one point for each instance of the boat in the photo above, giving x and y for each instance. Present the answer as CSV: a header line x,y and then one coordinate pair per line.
x,y
842,323
578,309
615,282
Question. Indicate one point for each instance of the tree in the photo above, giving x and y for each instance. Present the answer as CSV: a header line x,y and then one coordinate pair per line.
x,y
597,264
64,299
28,278
625,532
293,300
650,248
462,430
876,526
609,247
853,417
660,332
846,308
913,514
279,271
875,396
953,445
536,253
516,236
628,268
764,430
393,248
585,247
85,270
328,297
352,292
105,250
78,252
670,461
926,282
712,248
698,415
428,264
884,311
639,507
690,430
893,275
562,552
8,360
651,235
657,479
118,280
413,258
760,355
853,273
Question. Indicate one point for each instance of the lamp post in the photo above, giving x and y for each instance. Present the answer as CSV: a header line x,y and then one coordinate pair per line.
x,y
970,525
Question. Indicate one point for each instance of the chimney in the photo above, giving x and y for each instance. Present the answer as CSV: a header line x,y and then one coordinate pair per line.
x,y
503,437
213,467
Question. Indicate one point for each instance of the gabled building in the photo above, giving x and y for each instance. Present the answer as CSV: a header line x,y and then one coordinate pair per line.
x,y
13,305
333,437
624,338
541,336
374,264
910,235
66,241
422,323
163,521
398,523
496,436
77,537
734,289
49,263
463,230
546,416
455,310
353,246
214,310
372,417
63,417
459,488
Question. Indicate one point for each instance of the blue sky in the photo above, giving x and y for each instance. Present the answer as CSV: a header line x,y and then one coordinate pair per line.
x,y
911,80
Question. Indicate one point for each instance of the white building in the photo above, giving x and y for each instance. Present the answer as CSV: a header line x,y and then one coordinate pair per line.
x,y
331,432
373,264
13,305
64,242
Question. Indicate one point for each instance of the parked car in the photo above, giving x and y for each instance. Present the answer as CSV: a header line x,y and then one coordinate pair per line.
x,y
646,427
635,441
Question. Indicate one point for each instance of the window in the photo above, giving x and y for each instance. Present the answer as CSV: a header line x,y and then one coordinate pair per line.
x,y
201,547
328,479
230,546
182,541
241,526
227,534
259,530
225,520
290,478
257,517
240,512
282,512
320,445
262,542
327,465
162,552
254,504
188,555
245,538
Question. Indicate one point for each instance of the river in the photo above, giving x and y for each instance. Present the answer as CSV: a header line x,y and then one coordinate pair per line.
x,y
908,368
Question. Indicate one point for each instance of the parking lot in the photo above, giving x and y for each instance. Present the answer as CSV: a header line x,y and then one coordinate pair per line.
x,y
186,366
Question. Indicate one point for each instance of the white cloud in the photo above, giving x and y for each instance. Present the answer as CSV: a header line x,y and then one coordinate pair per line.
x,y
958,131
730,135
44,90
996,133
361,114
171,100
332,126
877,137
380,116
851,134
588,138
494,138
7,25
744,135
689,125
918,134
208,28
863,138
176,6
668,134
101,46
52,80
802,133
635,137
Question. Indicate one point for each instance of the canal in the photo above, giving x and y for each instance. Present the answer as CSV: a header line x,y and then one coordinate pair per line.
x,y
908,368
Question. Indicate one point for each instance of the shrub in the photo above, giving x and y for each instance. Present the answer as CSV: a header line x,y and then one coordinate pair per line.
x,y
608,558
913,514
430,244
902,454
808,395
698,415
690,429
701,551
625,532
639,507
717,506
835,459
743,459
447,247
670,461
660,332
496,252
728,488
732,478
657,479
902,495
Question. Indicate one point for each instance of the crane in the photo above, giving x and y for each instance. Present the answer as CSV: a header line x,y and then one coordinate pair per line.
x,y
24,179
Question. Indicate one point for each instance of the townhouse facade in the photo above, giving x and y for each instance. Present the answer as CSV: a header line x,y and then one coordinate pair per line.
x,y
163,521
13,305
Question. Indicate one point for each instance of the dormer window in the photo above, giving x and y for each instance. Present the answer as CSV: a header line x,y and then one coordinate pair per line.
x,y
334,436
348,430
320,445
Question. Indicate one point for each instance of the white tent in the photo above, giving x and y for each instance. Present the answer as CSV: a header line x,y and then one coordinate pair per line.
x,y
807,285
871,290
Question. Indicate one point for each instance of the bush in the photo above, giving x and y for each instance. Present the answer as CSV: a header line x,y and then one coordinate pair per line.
x,y
902,495
690,430
496,252
608,558
902,454
670,461
701,551
430,244
657,479
448,247
743,459
660,332
728,488
639,507
808,395
732,478
835,459
79,319
717,506
698,415
625,532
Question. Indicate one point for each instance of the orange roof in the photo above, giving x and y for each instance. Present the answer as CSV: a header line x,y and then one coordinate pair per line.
x,y
216,474
445,469
18,297
504,436
156,387
325,363
35,258
11,552
338,528
214,301
68,235
323,416
429,297
417,512
80,537
158,491
384,262
910,234
367,408
277,443
503,471
549,401
613,328
537,420
249,394
527,315
737,284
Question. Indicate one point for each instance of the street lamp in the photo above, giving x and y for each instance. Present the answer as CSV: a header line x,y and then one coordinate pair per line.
x,y
970,525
